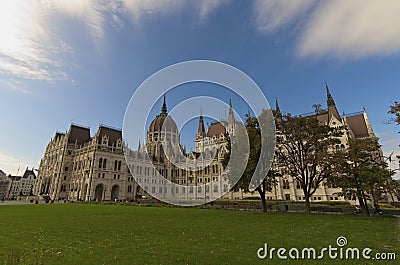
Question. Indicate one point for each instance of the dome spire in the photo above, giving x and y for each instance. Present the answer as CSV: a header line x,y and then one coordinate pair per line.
x,y
164,107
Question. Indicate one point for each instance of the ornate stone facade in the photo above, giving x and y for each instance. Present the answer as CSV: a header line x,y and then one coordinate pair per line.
x,y
77,166
356,125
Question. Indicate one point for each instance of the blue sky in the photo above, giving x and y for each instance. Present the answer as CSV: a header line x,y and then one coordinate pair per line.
x,y
81,60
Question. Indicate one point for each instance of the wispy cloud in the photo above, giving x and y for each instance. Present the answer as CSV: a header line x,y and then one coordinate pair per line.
x,y
31,49
27,49
208,6
357,28
337,29
390,148
14,84
136,9
90,12
10,164
271,15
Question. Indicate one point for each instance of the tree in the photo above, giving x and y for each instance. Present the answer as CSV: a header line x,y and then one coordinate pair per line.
x,y
395,110
317,108
251,157
363,172
306,149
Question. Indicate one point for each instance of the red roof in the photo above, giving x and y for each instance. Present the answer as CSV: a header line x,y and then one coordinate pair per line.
x,y
357,125
78,134
163,122
216,129
113,134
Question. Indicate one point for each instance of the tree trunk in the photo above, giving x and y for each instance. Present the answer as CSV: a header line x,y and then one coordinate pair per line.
x,y
363,204
261,191
308,206
367,213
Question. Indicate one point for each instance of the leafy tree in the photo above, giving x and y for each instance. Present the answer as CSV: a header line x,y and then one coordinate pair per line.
x,y
393,188
317,108
395,110
305,150
251,157
364,173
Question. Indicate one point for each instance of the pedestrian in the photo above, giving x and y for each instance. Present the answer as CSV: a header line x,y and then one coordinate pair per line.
x,y
377,208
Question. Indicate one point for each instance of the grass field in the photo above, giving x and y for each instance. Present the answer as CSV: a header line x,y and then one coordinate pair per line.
x,y
117,234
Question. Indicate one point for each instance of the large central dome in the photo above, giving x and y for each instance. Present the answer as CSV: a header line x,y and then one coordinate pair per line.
x,y
163,122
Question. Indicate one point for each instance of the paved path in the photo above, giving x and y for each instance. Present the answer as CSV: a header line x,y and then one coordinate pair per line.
x,y
23,202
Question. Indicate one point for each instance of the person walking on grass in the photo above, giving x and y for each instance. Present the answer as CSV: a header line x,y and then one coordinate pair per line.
x,y
377,208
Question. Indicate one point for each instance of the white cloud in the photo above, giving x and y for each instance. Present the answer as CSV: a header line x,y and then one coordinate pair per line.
x,y
270,15
356,28
31,48
10,165
90,12
390,147
27,49
208,6
136,9
15,85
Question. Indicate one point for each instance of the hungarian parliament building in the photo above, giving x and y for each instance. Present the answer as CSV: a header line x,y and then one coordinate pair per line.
x,y
79,167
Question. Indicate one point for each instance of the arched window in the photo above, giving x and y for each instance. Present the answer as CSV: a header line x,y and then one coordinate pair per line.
x,y
119,165
115,165
105,163
104,140
100,162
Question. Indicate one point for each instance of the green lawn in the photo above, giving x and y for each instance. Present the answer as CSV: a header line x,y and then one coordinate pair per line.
x,y
116,234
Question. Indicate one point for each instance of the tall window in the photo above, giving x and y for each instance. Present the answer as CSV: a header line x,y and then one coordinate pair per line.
x,y
115,165
285,184
100,162
298,184
105,163
119,165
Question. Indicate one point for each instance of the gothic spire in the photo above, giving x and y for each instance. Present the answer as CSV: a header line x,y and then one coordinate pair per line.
x,y
277,109
231,118
201,130
332,110
329,99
